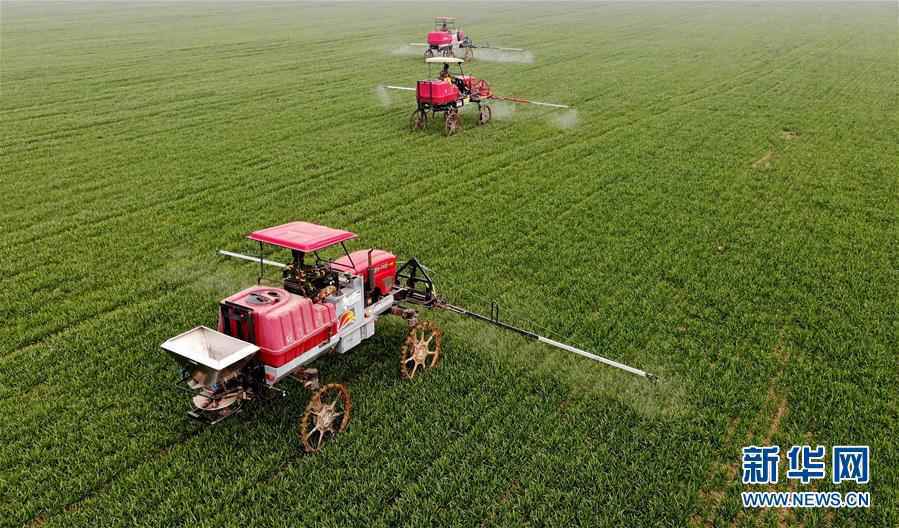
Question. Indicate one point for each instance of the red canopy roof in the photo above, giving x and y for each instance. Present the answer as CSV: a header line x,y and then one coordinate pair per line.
x,y
301,236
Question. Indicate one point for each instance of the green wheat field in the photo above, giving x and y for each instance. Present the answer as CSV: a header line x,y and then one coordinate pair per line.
x,y
720,209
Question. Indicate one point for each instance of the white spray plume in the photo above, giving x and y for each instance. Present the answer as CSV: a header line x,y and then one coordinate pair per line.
x,y
409,50
503,110
497,55
383,96
483,54
565,120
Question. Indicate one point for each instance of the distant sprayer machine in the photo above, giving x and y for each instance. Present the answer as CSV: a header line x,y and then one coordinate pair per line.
x,y
267,334
447,40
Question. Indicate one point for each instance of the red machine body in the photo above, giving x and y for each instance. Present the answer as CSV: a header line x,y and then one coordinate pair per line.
x,y
444,37
477,86
440,38
436,92
382,266
284,325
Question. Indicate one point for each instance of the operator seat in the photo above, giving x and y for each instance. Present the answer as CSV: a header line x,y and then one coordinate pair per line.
x,y
460,84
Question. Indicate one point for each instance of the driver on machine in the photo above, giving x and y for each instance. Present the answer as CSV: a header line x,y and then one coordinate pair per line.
x,y
315,281
445,74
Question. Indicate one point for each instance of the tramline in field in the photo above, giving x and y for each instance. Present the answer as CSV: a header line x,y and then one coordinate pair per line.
x,y
448,93
445,39
268,333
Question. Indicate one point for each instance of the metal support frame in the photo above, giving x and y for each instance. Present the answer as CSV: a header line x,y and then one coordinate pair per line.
x,y
414,275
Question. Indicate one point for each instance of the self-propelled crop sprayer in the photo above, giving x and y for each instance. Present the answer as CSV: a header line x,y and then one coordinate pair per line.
x,y
268,333
451,91
446,40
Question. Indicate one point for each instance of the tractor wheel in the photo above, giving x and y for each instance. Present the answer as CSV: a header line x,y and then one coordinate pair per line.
x,y
448,52
484,115
421,350
419,120
429,53
452,122
327,413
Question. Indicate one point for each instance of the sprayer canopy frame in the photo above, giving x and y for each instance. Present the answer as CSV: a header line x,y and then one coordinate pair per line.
x,y
302,236
445,23
444,60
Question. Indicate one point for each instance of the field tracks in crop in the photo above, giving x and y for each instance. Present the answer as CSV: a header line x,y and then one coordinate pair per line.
x,y
222,189
664,105
838,90
423,459
45,355
723,479
205,109
725,87
105,483
97,311
176,194
31,240
471,443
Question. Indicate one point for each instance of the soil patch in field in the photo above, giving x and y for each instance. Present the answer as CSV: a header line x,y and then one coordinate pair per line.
x,y
774,426
765,161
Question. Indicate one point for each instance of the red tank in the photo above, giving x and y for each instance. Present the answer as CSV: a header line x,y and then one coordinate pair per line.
x,y
436,92
284,325
440,38
382,262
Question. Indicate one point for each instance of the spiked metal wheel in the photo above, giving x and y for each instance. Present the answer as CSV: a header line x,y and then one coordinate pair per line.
x,y
421,350
327,413
419,120
484,114
429,53
452,122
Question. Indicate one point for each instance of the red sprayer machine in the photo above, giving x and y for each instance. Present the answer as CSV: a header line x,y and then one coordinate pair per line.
x,y
450,91
445,39
267,334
